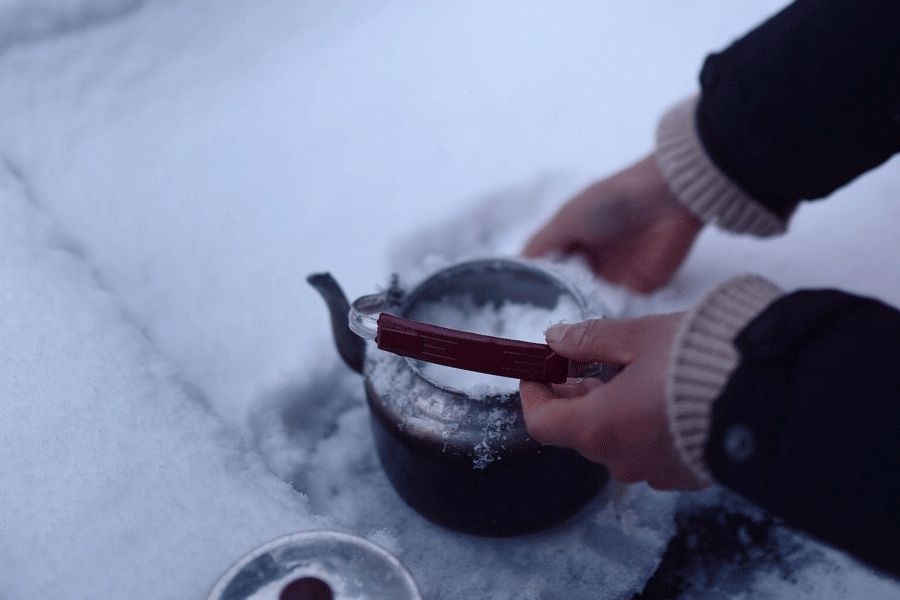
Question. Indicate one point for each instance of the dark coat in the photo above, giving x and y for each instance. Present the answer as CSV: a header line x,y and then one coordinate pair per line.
x,y
808,425
807,101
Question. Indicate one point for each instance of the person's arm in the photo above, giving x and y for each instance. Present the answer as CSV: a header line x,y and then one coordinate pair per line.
x,y
793,110
799,106
808,423
791,400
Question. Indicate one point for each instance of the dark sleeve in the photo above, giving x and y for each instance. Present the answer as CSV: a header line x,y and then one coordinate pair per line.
x,y
808,425
805,102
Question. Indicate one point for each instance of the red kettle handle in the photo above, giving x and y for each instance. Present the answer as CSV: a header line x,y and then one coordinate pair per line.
x,y
471,351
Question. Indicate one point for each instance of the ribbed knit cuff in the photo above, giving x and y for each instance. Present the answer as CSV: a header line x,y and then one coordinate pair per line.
x,y
699,184
703,358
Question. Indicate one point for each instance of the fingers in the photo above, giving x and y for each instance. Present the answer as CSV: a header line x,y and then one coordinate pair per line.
x,y
534,395
555,235
574,388
622,424
608,340
591,425
551,419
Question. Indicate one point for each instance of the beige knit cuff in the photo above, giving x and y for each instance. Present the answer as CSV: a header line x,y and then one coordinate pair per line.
x,y
699,184
703,358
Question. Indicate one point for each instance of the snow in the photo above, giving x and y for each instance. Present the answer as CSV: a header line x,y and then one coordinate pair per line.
x,y
613,544
171,171
776,564
31,20
104,447
831,576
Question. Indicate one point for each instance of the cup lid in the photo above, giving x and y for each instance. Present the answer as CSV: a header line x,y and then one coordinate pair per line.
x,y
317,565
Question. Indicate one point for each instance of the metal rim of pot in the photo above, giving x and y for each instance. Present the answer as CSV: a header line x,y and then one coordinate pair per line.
x,y
363,313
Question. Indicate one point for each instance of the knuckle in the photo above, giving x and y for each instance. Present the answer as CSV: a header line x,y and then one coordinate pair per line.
x,y
538,426
581,333
587,334
527,400
594,328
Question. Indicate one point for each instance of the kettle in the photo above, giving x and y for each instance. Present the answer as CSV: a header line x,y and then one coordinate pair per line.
x,y
462,460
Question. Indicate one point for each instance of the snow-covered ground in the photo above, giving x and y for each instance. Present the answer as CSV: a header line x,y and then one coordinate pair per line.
x,y
115,475
170,172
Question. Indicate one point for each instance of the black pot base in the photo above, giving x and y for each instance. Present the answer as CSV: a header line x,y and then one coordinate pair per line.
x,y
522,492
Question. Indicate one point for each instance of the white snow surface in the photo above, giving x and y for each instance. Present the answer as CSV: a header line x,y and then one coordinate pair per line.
x,y
117,482
171,171
31,20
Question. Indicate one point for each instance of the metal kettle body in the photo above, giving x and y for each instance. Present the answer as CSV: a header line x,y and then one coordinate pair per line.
x,y
465,463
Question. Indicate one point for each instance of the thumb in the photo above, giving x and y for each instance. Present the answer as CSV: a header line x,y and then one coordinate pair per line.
x,y
607,340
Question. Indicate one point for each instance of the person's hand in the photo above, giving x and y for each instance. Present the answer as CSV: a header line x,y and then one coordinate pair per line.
x,y
623,423
630,227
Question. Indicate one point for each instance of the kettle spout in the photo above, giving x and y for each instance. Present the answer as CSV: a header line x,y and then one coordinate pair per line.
x,y
350,346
